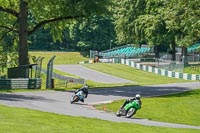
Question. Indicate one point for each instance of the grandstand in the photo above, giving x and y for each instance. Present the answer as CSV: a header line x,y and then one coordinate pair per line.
x,y
127,51
143,53
194,48
130,51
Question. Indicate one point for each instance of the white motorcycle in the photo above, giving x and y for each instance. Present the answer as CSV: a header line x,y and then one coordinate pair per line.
x,y
79,96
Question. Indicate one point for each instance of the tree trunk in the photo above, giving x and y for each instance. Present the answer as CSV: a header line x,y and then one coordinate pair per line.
x,y
23,34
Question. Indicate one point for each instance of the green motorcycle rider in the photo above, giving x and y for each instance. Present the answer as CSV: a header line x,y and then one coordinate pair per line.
x,y
137,97
130,107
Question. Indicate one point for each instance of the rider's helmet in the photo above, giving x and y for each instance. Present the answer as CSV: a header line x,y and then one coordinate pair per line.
x,y
137,96
86,87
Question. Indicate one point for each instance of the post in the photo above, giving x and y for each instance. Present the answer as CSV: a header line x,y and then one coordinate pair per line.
x,y
111,43
38,67
183,59
49,80
90,54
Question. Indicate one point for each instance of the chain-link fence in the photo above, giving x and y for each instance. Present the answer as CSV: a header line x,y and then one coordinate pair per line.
x,y
93,53
169,65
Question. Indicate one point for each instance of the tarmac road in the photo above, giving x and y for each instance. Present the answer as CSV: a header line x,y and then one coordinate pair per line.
x,y
90,74
58,102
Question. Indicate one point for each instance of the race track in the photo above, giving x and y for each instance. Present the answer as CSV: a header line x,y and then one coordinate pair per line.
x,y
58,101
90,74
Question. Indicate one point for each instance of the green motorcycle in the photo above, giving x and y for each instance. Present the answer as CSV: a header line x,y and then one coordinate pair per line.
x,y
129,109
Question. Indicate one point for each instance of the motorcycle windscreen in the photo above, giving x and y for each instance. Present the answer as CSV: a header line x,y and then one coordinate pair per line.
x,y
81,94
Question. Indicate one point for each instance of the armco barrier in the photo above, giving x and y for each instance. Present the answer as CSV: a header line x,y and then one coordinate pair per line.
x,y
173,74
20,83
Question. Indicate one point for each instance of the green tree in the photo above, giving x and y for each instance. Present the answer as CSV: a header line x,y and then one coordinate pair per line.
x,y
94,34
182,19
150,26
169,21
24,17
125,13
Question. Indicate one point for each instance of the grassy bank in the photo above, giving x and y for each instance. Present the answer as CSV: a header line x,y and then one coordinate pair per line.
x,y
127,72
17,120
61,57
177,108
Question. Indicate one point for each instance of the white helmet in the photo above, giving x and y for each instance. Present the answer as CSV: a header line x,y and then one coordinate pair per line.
x,y
86,86
137,96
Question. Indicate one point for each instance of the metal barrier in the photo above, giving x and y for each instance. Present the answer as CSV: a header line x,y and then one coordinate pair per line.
x,y
169,65
38,67
22,83
24,71
69,79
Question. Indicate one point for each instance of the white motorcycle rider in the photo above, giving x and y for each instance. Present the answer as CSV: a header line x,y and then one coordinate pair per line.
x,y
80,95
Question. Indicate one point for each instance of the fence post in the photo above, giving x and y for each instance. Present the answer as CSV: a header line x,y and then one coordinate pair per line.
x,y
38,67
183,59
49,80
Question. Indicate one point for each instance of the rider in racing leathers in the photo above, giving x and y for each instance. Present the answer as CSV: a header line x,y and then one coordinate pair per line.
x,y
137,97
85,91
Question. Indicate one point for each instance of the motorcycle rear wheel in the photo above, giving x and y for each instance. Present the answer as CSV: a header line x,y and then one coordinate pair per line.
x,y
118,113
130,112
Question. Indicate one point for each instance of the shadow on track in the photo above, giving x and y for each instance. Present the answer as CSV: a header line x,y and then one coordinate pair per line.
x,y
18,97
146,91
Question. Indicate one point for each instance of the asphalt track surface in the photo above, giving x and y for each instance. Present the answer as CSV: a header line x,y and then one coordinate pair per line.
x,y
59,101
90,74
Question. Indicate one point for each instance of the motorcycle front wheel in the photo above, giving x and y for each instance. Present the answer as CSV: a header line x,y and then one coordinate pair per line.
x,y
130,112
74,99
118,113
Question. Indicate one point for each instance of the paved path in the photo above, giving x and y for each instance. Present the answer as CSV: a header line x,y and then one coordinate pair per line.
x,y
90,74
58,102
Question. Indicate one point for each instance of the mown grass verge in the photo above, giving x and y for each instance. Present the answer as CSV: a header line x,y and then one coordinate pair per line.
x,y
61,57
135,75
177,108
18,120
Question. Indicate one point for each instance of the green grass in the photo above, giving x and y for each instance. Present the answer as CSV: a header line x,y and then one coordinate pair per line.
x,y
192,68
61,57
18,120
177,108
127,72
